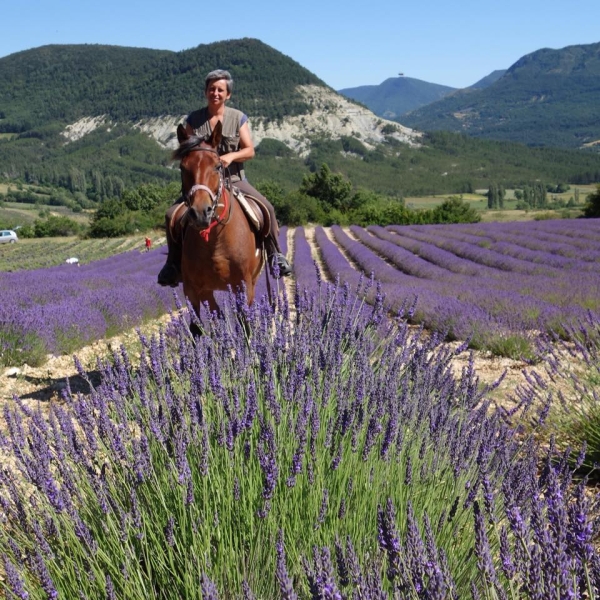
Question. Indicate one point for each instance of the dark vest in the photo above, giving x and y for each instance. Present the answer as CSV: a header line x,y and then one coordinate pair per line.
x,y
230,140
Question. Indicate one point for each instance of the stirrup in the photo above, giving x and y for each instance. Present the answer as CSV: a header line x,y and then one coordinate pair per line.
x,y
280,267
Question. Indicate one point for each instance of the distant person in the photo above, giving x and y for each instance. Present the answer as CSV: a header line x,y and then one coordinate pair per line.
x,y
148,244
235,148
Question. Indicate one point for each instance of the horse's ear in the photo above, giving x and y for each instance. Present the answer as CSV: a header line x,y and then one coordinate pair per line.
x,y
215,138
183,133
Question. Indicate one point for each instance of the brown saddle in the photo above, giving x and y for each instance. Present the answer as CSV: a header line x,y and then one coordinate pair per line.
x,y
256,212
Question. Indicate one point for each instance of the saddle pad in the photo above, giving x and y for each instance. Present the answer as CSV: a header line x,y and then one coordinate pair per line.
x,y
257,215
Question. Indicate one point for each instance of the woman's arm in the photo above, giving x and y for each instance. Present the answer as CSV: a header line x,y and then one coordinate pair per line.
x,y
246,149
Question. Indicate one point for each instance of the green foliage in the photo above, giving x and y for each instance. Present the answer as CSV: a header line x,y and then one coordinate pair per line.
x,y
592,204
332,189
54,226
271,147
455,210
150,196
298,208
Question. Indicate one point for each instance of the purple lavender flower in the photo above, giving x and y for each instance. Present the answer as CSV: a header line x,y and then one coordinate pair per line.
x,y
14,579
285,582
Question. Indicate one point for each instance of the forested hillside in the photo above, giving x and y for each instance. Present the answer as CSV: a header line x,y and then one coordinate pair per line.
x,y
60,84
46,89
547,98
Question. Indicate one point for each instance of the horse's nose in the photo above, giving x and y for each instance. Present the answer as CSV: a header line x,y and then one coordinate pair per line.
x,y
204,215
208,212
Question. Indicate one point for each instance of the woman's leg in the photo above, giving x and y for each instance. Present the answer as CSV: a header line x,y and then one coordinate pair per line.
x,y
170,274
272,240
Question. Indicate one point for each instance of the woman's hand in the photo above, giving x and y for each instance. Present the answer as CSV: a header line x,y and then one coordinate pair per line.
x,y
226,160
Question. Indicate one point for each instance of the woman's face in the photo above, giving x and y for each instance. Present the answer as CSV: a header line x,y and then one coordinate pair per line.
x,y
216,92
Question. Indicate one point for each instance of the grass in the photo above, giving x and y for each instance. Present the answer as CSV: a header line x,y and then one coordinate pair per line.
x,y
39,253
478,200
19,213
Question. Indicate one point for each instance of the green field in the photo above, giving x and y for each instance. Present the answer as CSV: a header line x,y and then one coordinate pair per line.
x,y
13,214
478,200
39,253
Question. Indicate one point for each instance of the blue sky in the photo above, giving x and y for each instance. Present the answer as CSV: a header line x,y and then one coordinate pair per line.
x,y
346,44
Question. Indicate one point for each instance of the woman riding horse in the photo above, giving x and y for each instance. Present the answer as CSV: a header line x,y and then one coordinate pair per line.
x,y
235,148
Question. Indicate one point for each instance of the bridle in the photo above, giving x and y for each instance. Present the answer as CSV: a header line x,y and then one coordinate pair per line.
x,y
214,197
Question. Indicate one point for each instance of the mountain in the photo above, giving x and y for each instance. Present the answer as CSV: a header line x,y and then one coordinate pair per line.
x,y
488,79
547,98
397,95
88,121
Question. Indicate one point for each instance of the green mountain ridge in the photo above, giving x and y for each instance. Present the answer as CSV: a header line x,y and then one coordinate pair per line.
x,y
44,90
64,83
547,98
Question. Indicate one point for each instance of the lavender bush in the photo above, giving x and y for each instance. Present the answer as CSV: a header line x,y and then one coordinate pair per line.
x,y
570,374
332,456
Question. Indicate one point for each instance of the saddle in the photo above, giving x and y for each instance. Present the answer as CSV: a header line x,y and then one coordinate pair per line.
x,y
256,212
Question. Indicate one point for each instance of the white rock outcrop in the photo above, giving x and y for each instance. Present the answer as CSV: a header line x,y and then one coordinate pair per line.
x,y
333,116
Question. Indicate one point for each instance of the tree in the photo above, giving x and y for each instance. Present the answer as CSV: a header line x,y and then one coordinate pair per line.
x,y
455,210
492,196
592,204
330,188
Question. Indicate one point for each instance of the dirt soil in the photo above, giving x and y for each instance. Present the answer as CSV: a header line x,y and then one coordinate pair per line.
x,y
46,383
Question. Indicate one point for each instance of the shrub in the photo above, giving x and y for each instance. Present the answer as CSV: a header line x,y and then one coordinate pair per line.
x,y
592,204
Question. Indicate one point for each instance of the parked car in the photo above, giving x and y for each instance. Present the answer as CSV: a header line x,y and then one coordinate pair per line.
x,y
8,236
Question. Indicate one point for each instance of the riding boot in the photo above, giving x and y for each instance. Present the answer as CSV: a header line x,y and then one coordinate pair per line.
x,y
170,274
278,263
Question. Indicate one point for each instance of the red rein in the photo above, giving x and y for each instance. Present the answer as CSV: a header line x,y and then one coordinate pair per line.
x,y
216,220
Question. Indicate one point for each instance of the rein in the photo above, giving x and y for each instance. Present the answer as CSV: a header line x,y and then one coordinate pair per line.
x,y
221,192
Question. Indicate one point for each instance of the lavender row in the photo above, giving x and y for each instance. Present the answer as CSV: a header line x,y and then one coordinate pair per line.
x,y
569,289
62,308
524,247
565,288
333,459
488,311
564,244
474,252
431,253
422,301
403,260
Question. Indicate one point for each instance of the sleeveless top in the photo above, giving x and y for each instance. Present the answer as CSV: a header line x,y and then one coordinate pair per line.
x,y
233,119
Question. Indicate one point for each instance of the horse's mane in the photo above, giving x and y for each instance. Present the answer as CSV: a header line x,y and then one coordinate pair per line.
x,y
187,146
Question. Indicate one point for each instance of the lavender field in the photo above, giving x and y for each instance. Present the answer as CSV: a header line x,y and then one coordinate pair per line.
x,y
60,309
316,448
495,284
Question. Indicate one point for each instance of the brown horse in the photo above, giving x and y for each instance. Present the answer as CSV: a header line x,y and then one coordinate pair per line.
x,y
220,249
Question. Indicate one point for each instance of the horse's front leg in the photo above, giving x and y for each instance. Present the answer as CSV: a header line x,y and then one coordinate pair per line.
x,y
202,300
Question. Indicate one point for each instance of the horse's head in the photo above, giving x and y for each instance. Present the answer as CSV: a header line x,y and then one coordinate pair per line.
x,y
201,174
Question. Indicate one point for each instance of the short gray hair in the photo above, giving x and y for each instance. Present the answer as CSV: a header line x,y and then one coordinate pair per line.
x,y
215,76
